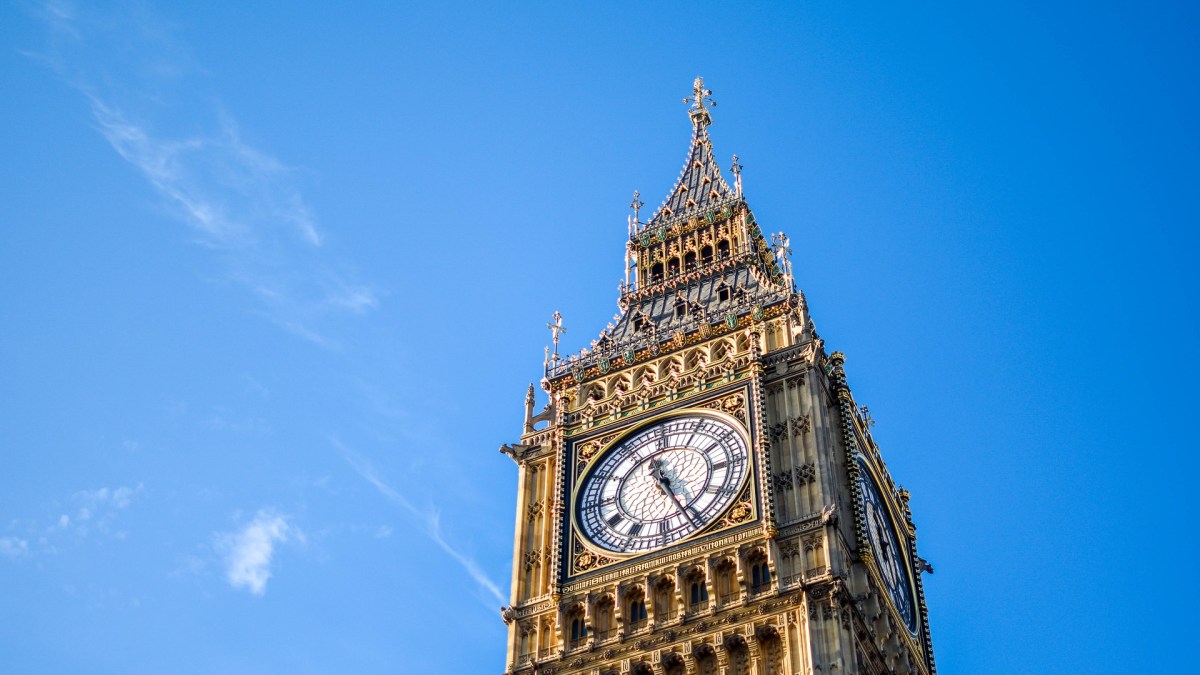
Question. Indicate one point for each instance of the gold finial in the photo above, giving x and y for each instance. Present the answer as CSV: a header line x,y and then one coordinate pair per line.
x,y
737,172
556,329
700,96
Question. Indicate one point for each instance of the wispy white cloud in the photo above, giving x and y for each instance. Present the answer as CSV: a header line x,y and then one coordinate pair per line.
x,y
237,199
428,520
248,551
84,514
13,547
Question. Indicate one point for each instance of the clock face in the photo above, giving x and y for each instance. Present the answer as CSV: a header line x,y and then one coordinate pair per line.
x,y
662,483
885,545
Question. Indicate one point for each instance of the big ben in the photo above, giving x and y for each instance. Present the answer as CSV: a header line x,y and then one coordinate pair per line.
x,y
701,494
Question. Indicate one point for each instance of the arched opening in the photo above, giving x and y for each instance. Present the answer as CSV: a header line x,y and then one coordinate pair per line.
x,y
770,649
578,627
664,605
673,266
673,664
689,261
722,249
656,272
526,640
706,660
739,656
706,255
697,591
760,572
635,610
603,620
727,591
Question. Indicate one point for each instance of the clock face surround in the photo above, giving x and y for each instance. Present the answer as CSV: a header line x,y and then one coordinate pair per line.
x,y
890,558
662,483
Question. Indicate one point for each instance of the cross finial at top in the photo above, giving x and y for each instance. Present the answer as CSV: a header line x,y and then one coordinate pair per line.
x,y
556,329
636,205
700,96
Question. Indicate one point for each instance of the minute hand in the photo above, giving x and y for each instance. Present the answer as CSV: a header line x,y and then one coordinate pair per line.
x,y
682,508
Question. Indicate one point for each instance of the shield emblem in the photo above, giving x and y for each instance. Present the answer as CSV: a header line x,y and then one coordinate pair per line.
x,y
710,217
662,234
758,312
731,321
577,371
605,364
630,356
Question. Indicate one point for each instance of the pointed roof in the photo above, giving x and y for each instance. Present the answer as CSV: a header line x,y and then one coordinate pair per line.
x,y
700,184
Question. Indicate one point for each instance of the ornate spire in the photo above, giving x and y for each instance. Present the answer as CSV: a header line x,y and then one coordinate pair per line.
x,y
700,184
699,112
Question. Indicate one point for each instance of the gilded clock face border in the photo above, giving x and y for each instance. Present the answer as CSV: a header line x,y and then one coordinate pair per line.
x,y
742,510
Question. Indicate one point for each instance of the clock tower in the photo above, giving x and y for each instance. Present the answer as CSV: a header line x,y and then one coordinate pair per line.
x,y
701,494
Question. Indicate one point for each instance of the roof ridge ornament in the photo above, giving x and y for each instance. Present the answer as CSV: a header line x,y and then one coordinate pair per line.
x,y
736,169
698,110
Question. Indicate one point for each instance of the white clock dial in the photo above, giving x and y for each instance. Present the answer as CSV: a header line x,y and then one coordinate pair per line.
x,y
890,558
662,483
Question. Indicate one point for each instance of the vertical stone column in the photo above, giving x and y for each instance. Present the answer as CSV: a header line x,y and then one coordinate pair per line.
x,y
758,414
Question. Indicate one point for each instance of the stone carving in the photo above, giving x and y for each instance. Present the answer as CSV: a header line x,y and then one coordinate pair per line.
x,y
805,474
801,425
534,510
778,431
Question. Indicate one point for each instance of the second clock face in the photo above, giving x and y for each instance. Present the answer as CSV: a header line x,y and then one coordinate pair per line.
x,y
662,483
890,558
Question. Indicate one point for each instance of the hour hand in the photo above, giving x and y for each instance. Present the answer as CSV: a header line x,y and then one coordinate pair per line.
x,y
660,478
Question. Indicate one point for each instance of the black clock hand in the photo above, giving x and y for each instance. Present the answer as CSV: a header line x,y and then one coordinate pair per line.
x,y
664,484
682,508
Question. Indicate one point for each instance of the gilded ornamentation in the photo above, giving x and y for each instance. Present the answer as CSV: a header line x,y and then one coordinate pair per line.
x,y
739,514
733,404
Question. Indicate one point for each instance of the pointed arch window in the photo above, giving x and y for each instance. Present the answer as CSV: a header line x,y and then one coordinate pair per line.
x,y
760,574
635,611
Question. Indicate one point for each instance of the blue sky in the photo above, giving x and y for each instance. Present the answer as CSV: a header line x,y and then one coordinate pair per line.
x,y
273,282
